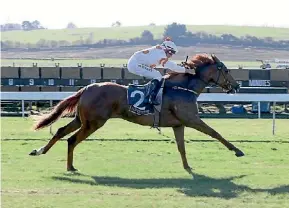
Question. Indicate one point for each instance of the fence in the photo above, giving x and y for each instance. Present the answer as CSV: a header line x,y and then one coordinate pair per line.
x,y
47,79
207,97
70,79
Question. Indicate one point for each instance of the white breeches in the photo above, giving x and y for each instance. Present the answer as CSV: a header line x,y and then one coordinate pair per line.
x,y
142,70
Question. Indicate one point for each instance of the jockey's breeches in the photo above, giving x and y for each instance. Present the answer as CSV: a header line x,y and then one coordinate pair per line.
x,y
142,70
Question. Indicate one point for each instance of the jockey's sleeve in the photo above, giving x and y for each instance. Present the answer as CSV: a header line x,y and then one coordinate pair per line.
x,y
174,67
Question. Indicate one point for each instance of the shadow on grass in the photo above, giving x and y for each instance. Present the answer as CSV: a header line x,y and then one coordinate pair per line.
x,y
201,185
172,140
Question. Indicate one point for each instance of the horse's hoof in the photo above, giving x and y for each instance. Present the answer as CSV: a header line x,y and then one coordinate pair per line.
x,y
189,170
239,153
72,169
33,153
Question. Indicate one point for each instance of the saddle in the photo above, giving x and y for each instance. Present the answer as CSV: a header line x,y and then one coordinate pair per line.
x,y
146,99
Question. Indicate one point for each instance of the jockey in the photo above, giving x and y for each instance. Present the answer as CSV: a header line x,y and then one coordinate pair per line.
x,y
144,63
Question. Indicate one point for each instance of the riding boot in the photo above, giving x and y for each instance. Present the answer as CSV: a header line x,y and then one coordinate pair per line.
x,y
155,84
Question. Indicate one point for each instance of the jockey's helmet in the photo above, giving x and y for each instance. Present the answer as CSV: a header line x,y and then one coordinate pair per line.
x,y
170,46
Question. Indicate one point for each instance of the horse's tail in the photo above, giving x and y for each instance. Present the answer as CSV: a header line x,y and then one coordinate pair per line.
x,y
65,107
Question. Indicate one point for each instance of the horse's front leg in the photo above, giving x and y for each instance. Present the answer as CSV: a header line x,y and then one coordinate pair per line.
x,y
201,126
188,116
179,135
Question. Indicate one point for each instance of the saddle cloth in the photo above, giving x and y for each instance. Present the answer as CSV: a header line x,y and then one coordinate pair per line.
x,y
138,99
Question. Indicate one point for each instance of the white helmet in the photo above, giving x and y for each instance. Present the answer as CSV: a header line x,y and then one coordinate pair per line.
x,y
170,45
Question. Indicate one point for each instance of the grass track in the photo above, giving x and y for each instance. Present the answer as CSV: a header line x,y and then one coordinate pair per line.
x,y
147,174
125,33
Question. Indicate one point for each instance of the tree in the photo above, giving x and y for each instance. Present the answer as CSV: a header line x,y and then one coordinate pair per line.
x,y
26,25
147,36
53,44
11,26
8,44
71,25
116,24
36,25
63,43
41,43
175,30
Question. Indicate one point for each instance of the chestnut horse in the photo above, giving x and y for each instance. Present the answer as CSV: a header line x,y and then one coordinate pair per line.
x,y
96,103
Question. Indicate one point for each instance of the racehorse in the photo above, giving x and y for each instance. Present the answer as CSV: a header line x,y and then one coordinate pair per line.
x,y
94,104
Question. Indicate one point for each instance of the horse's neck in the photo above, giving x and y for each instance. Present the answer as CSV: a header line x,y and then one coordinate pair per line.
x,y
192,83
196,84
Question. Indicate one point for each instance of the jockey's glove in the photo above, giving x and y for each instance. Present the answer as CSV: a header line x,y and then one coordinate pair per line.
x,y
190,71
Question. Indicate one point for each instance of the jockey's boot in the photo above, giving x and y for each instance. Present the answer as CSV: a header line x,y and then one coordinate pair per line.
x,y
155,86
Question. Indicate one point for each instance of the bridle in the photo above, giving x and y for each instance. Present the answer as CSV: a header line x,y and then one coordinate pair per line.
x,y
219,65
220,71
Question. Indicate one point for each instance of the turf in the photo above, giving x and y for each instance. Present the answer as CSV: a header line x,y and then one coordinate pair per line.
x,y
125,33
118,172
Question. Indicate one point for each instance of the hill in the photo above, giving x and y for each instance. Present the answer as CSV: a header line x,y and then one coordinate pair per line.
x,y
125,33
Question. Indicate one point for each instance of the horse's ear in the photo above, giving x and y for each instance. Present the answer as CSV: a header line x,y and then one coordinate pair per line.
x,y
215,58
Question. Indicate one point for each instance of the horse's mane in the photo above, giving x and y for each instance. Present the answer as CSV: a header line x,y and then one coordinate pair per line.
x,y
200,60
196,62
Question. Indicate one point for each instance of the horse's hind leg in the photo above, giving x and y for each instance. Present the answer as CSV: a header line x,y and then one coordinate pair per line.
x,y
61,132
179,135
85,130
201,126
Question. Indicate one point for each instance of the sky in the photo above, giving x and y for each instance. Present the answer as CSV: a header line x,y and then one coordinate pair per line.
x,y
55,14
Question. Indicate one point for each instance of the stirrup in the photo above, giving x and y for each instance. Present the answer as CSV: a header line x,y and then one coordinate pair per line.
x,y
153,96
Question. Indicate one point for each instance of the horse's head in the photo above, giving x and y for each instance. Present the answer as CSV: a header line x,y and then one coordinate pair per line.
x,y
211,70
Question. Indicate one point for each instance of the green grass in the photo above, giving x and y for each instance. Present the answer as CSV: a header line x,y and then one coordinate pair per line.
x,y
124,173
125,33
107,62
